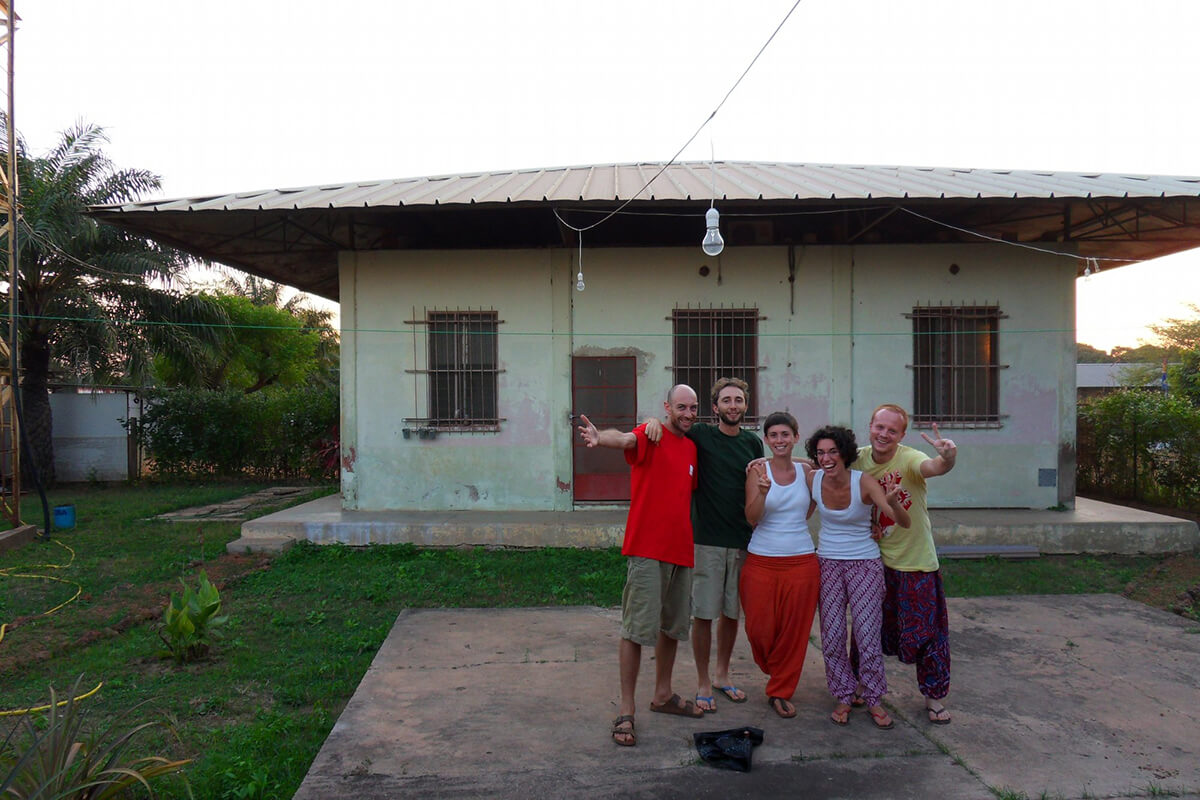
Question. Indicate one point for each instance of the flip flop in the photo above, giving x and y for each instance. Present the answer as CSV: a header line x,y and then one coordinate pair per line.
x,y
878,720
734,694
712,703
857,701
935,715
840,716
677,706
777,706
618,731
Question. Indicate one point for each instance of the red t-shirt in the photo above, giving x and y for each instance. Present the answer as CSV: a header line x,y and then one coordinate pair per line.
x,y
660,507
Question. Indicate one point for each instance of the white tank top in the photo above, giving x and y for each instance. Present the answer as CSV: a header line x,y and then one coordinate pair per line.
x,y
845,532
783,529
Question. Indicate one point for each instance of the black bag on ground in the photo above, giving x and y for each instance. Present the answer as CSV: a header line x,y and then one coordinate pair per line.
x,y
730,749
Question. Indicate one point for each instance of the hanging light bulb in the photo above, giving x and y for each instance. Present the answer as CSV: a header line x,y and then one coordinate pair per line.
x,y
713,244
579,286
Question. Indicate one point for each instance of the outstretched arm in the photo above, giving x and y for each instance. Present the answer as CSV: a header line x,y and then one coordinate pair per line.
x,y
610,437
947,454
886,499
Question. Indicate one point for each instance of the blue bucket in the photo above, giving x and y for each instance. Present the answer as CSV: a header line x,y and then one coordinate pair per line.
x,y
64,517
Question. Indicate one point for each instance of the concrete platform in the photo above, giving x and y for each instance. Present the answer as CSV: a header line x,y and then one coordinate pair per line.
x,y
1058,697
1091,527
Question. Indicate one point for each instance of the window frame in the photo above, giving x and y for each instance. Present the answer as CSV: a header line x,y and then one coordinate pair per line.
x,y
463,373
704,346
956,365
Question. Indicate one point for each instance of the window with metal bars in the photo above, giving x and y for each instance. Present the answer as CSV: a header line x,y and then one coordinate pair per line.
x,y
712,343
461,367
956,368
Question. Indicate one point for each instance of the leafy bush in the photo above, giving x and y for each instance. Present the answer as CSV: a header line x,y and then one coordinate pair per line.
x,y
56,756
272,434
190,620
1141,445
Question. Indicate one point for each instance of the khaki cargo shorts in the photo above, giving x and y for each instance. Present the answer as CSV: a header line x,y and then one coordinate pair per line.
x,y
657,596
715,582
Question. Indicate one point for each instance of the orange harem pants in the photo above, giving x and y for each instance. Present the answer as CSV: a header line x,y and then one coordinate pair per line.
x,y
779,597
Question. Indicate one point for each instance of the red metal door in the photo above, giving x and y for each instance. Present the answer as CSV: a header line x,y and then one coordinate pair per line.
x,y
605,389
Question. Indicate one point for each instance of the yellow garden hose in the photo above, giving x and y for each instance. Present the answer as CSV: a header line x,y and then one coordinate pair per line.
x,y
11,572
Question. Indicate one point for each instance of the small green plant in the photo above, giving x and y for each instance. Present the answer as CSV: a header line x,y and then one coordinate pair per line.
x,y
190,621
55,755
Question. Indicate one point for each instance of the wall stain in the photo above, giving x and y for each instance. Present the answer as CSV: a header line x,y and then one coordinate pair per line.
x,y
348,459
643,357
563,486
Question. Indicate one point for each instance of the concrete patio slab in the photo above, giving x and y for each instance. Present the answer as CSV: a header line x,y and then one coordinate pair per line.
x,y
1055,696
1091,527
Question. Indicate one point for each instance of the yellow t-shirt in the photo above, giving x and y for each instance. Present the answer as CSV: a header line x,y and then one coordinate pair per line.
x,y
905,549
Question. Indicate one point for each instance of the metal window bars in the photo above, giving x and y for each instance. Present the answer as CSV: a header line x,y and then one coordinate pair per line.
x,y
461,358
956,369
711,343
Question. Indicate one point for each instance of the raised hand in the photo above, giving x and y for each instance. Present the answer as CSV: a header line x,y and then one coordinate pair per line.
x,y
945,447
588,432
764,480
893,493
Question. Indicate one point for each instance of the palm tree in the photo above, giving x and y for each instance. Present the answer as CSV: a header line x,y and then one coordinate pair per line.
x,y
94,302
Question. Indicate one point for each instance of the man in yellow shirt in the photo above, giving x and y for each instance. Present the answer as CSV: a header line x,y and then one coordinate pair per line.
x,y
915,624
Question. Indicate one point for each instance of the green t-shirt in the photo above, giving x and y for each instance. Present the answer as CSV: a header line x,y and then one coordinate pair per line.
x,y
719,502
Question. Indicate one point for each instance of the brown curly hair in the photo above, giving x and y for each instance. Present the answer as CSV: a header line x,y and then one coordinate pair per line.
x,y
842,438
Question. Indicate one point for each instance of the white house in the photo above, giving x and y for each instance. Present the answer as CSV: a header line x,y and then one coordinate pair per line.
x,y
467,346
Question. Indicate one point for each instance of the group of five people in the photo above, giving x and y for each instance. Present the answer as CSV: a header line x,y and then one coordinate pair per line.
x,y
714,530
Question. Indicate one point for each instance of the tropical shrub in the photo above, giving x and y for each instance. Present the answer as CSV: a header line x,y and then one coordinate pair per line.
x,y
271,434
190,620
1140,445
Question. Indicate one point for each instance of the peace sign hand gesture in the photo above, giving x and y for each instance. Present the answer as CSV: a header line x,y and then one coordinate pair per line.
x,y
944,447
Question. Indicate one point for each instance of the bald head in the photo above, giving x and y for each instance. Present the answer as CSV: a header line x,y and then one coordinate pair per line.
x,y
682,407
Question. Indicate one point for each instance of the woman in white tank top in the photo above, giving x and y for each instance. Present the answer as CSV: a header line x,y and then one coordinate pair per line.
x,y
851,571
780,578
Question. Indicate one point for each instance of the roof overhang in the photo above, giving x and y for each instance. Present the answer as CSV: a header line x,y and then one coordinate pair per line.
x,y
278,235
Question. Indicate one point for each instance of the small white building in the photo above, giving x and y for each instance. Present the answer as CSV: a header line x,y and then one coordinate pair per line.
x,y
468,348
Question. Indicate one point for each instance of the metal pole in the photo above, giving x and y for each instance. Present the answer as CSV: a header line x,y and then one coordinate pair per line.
x,y
13,267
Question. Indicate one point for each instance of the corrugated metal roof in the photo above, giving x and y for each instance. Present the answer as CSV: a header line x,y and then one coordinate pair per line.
x,y
735,180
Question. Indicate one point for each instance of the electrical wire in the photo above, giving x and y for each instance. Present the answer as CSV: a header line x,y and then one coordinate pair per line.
x,y
691,138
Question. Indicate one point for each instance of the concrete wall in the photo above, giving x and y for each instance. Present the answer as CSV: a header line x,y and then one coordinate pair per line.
x,y
89,441
834,344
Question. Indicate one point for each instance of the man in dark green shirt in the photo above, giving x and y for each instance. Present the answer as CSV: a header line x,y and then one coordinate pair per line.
x,y
721,533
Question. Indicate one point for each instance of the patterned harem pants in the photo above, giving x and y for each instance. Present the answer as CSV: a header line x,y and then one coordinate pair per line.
x,y
916,628
857,584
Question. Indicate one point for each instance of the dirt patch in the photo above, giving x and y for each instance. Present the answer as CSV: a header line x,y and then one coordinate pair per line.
x,y
1173,585
129,605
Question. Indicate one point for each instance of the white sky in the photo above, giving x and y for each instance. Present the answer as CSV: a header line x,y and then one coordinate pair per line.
x,y
225,96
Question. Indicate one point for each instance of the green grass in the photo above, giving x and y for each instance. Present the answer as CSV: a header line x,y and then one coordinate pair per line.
x,y
1045,575
300,635
304,630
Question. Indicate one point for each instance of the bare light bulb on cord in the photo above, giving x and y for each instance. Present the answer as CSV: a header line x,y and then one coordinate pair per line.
x,y
713,244
579,285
